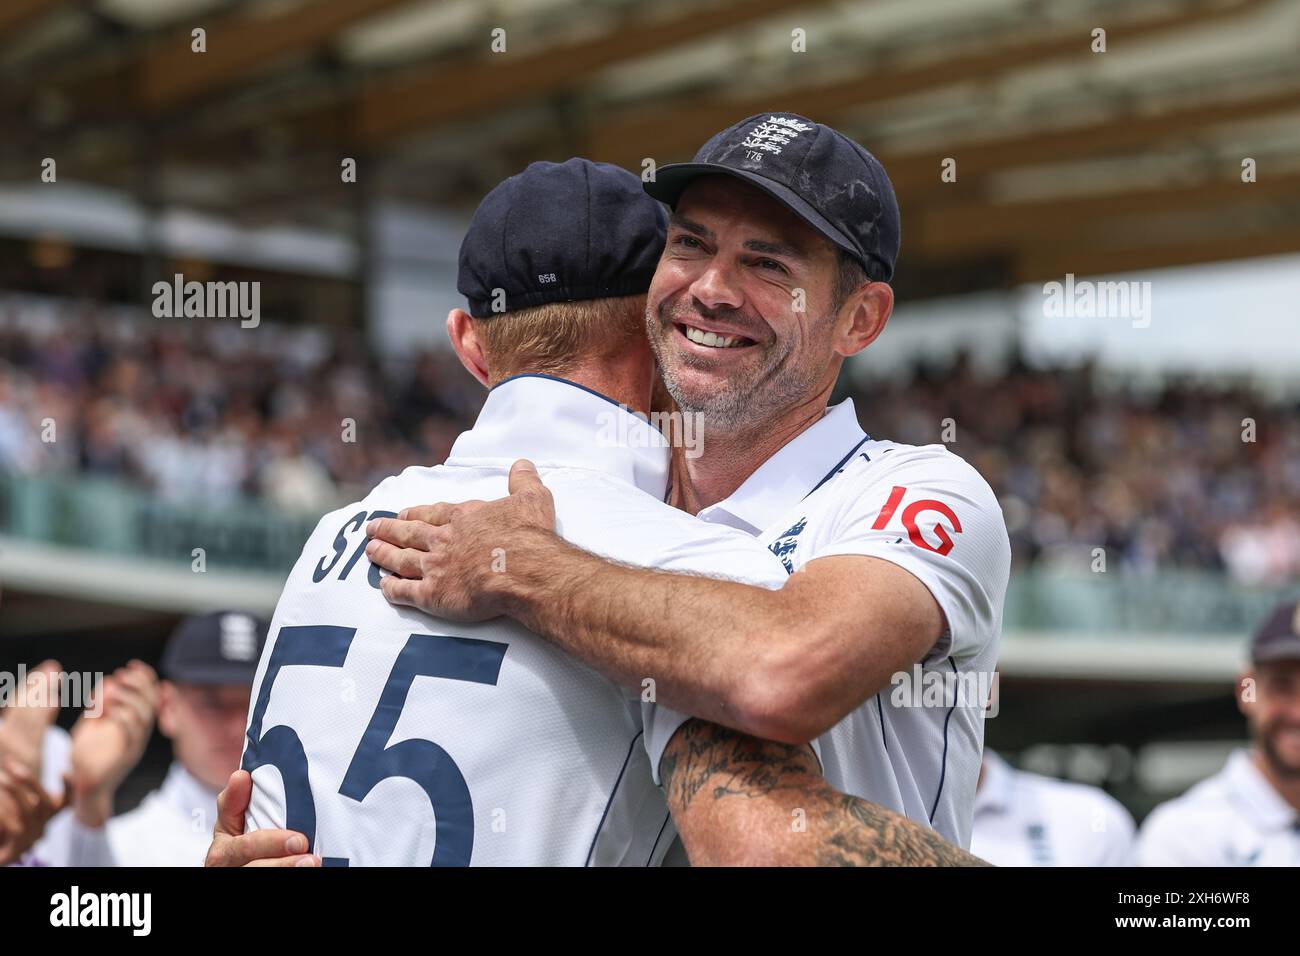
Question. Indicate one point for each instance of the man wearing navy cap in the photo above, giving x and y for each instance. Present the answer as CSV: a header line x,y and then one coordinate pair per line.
x,y
1248,814
208,667
783,237
390,737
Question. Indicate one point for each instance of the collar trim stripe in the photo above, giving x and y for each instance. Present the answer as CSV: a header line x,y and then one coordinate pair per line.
x,y
840,464
556,378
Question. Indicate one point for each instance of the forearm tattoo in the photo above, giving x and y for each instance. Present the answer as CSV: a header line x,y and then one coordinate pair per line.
x,y
705,761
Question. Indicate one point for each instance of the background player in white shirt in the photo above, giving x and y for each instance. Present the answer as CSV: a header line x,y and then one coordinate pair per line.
x,y
1027,819
388,737
1248,814
775,270
208,666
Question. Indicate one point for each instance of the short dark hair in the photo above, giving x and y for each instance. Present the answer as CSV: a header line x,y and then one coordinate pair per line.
x,y
849,275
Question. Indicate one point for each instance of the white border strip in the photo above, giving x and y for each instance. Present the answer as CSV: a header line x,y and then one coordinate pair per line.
x,y
130,581
1140,657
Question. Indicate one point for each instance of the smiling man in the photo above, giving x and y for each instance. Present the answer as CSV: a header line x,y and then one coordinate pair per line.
x,y
380,736
782,242
1248,814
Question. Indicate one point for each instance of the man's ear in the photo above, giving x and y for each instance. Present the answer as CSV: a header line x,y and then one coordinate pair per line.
x,y
465,340
863,316
167,693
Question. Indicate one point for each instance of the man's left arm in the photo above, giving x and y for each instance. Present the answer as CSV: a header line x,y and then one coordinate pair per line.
x,y
740,801
783,665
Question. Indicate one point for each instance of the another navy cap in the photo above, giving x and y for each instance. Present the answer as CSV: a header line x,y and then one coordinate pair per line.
x,y
560,232
825,178
218,648
1278,638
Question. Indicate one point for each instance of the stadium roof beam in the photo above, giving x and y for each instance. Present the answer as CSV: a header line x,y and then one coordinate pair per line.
x,y
171,74
421,98
942,230
1086,256
162,73
916,172
15,14
388,106
684,123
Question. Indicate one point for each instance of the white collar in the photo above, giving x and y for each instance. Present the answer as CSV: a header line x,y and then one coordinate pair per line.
x,y
994,794
185,792
1250,788
554,422
801,466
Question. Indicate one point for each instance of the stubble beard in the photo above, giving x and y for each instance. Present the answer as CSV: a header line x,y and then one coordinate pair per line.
x,y
1284,770
763,392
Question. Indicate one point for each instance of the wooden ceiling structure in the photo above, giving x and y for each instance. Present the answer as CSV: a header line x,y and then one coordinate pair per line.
x,y
1067,159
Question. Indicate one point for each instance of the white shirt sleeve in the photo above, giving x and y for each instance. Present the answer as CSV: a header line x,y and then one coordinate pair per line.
x,y
724,553
68,842
661,723
1118,833
934,516
1172,837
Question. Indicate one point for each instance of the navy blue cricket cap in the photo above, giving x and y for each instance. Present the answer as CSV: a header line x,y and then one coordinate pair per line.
x,y
1278,638
821,175
218,648
560,232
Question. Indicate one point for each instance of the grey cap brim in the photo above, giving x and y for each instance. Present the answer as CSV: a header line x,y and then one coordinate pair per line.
x,y
671,180
213,675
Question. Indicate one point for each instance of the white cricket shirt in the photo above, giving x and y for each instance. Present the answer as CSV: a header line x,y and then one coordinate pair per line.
x,y
391,737
172,826
914,747
1234,818
1026,819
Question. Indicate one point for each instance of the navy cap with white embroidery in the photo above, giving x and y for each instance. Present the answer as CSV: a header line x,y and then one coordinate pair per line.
x,y
821,175
1278,637
222,647
560,232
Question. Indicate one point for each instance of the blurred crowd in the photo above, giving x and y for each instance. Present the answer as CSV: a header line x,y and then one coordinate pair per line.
x,y
1182,475
301,416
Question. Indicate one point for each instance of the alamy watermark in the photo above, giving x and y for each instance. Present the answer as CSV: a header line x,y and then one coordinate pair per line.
x,y
685,430
41,688
208,300
1098,300
133,911
945,689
